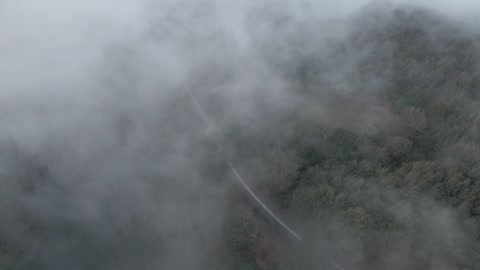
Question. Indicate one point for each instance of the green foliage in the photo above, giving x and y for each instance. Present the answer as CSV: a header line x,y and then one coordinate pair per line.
x,y
404,195
425,156
357,216
241,229
282,174
309,201
342,145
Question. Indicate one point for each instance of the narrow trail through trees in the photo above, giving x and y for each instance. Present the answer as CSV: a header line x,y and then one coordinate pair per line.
x,y
252,195
239,178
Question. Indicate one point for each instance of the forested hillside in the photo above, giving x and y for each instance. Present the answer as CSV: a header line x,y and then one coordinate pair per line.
x,y
366,141
391,179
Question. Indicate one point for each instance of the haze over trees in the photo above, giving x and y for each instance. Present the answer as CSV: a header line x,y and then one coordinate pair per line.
x,y
363,134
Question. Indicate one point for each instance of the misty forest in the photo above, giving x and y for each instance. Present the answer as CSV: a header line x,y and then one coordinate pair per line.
x,y
125,128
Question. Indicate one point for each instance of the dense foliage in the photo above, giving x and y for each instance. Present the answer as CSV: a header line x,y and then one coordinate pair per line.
x,y
406,190
374,159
